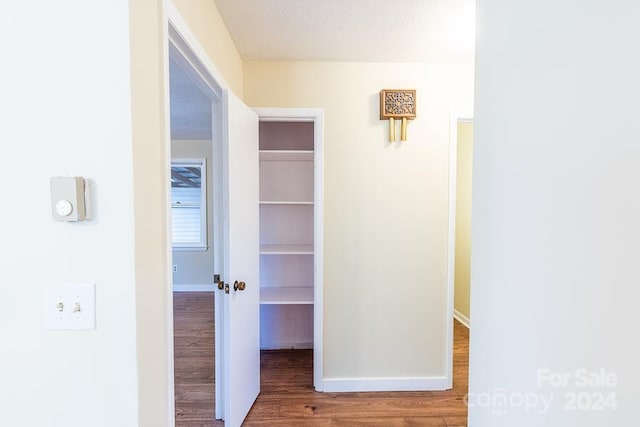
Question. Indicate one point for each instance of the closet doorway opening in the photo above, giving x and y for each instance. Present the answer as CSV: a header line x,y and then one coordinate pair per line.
x,y
291,231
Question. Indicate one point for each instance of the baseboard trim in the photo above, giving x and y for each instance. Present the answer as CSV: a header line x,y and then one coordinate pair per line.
x,y
193,288
461,318
339,385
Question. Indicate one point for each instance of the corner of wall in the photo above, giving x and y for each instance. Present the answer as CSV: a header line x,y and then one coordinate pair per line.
x,y
149,65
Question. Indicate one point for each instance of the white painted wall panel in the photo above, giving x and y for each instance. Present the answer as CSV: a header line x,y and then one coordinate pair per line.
x,y
66,111
555,210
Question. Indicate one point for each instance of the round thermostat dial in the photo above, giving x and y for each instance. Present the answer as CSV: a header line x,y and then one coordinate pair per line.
x,y
64,207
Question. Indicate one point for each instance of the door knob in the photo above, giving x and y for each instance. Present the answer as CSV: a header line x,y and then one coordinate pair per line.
x,y
218,281
239,286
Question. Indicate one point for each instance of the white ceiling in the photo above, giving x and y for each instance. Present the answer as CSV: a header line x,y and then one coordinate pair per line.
x,y
190,109
352,30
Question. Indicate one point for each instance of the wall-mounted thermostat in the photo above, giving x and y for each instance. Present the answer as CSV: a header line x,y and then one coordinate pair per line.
x,y
68,198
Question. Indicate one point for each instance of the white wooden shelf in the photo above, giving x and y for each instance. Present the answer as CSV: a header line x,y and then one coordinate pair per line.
x,y
284,202
286,295
286,155
286,249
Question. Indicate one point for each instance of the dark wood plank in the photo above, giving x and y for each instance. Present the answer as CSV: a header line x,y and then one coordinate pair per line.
x,y
287,397
194,360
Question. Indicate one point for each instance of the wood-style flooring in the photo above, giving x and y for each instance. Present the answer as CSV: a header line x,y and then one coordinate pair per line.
x,y
287,397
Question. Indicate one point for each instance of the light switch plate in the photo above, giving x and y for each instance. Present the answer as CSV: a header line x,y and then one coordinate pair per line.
x,y
70,306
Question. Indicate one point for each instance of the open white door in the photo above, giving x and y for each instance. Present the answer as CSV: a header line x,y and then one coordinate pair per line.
x,y
241,327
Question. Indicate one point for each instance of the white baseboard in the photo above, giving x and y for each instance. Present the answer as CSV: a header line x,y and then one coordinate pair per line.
x,y
193,288
461,318
338,385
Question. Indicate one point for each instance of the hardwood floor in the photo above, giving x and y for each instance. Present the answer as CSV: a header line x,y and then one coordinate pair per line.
x,y
287,397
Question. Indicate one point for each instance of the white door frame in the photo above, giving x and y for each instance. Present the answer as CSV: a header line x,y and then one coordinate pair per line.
x,y
455,119
315,115
189,54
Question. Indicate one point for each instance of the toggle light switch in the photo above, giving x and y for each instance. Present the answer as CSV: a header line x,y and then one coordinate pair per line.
x,y
69,306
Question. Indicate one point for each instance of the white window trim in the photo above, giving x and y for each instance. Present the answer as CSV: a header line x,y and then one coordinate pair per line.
x,y
202,245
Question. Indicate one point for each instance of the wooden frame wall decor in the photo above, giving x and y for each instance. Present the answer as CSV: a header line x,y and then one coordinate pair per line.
x,y
397,104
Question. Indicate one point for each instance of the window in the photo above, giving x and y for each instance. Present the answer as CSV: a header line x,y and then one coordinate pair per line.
x,y
189,204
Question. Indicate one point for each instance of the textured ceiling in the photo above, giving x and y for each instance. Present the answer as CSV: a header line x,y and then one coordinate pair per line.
x,y
190,109
352,30
329,30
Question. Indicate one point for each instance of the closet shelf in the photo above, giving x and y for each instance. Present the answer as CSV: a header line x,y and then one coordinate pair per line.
x,y
285,202
284,155
286,295
286,249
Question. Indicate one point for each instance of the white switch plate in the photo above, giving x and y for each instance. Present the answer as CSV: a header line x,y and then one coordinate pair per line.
x,y
70,306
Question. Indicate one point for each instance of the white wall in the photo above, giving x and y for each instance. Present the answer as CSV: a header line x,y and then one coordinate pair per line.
x,y
196,267
207,25
66,110
385,209
80,96
555,228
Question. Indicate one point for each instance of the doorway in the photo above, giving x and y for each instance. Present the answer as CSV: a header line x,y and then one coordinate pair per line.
x,y
196,132
235,219
459,238
193,244
291,231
